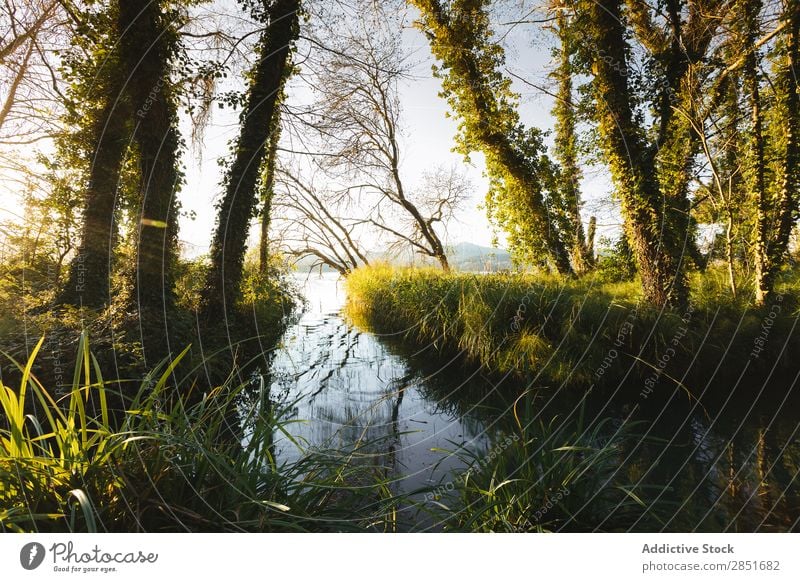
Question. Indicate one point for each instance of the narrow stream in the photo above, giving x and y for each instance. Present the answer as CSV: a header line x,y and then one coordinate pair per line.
x,y
732,466
349,388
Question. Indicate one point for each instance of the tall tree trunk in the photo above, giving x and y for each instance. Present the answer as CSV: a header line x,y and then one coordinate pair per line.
x,y
478,95
757,165
268,186
566,146
656,243
88,281
731,191
147,48
590,236
787,202
239,200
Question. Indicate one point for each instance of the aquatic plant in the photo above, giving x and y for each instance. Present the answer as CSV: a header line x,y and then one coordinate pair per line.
x,y
582,332
563,474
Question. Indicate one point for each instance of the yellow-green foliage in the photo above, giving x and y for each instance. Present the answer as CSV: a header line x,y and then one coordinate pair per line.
x,y
507,321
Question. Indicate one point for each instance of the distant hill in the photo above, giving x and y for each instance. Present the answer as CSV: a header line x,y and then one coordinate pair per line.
x,y
471,257
463,256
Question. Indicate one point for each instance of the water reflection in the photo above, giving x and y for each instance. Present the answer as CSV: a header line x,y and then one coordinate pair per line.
x,y
730,465
352,392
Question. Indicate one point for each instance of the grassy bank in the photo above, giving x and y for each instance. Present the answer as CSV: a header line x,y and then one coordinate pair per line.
x,y
128,342
173,462
559,475
581,332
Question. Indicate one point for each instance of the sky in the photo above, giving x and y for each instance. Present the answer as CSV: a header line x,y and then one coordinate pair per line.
x,y
427,140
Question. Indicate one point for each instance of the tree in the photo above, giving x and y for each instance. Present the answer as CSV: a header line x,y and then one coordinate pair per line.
x,y
311,223
268,190
748,27
566,148
237,207
100,109
776,213
359,123
147,50
651,169
744,121
32,32
123,104
481,98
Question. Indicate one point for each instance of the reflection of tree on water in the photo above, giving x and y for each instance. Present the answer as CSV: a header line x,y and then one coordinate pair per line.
x,y
401,392
718,478
317,352
390,405
354,395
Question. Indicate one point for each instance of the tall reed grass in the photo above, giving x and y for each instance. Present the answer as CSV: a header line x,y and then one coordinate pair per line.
x,y
574,332
557,475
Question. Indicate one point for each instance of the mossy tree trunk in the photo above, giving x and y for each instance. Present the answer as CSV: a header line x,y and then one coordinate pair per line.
x,y
566,148
239,200
788,198
107,136
147,48
657,241
267,191
776,217
480,96
756,167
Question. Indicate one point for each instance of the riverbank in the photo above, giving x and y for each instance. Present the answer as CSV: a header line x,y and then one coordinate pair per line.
x,y
583,333
349,431
128,342
172,461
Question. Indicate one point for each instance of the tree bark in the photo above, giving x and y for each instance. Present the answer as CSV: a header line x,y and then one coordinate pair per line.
x,y
757,170
239,200
458,53
566,147
771,258
267,188
658,246
146,50
88,281
590,236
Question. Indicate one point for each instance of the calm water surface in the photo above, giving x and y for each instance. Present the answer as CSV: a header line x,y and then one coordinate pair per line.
x,y
731,464
349,388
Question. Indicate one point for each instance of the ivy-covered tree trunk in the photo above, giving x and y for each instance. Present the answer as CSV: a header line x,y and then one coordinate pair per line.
x,y
147,48
239,200
657,244
776,219
88,281
590,236
267,188
748,12
788,197
680,61
566,149
480,96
